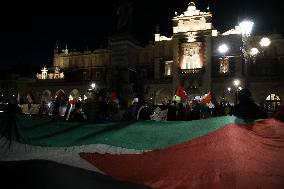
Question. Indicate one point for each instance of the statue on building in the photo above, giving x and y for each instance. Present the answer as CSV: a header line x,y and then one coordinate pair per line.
x,y
56,73
124,13
61,76
44,73
38,76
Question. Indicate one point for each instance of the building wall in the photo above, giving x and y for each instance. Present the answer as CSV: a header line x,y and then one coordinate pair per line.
x,y
189,29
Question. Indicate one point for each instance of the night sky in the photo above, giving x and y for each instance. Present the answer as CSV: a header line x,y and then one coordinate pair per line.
x,y
30,31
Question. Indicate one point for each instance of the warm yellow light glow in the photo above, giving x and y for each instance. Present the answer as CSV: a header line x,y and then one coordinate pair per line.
x,y
93,85
85,97
246,27
236,82
70,97
214,33
191,61
168,68
273,97
265,42
254,51
224,65
44,73
223,48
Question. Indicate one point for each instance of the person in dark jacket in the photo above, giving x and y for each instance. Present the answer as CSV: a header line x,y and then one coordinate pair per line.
x,y
247,108
172,112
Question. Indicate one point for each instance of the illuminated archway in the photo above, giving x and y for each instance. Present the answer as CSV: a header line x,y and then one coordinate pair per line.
x,y
272,102
162,96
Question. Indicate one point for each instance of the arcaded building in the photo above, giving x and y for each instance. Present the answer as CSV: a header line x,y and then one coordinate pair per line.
x,y
190,57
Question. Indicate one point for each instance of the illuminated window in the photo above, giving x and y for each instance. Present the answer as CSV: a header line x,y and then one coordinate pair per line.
x,y
272,102
191,59
168,68
224,65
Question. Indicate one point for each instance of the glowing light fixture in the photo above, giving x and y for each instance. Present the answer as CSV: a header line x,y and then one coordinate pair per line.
x,y
254,51
265,42
246,27
93,85
223,48
236,82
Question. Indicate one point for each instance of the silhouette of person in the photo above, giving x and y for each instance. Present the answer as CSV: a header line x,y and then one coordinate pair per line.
x,y
246,108
280,114
124,13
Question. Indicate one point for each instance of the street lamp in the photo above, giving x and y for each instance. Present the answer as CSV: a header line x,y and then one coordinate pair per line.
x,y
229,89
246,28
235,90
236,83
92,89
93,85
264,42
249,51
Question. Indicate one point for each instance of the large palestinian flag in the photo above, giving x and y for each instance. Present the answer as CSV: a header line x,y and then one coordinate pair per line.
x,y
222,152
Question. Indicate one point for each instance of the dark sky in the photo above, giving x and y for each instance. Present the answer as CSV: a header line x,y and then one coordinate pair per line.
x,y
30,31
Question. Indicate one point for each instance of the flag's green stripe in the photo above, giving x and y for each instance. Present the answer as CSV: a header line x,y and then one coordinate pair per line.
x,y
141,135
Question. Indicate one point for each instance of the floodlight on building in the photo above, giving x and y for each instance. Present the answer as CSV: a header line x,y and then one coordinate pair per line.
x,y
229,89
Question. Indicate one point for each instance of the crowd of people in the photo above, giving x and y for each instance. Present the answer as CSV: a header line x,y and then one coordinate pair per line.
x,y
106,109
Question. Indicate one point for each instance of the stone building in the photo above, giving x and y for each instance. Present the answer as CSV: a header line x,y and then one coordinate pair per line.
x,y
190,58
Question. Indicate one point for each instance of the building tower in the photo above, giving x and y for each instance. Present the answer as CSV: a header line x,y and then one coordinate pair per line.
x,y
192,31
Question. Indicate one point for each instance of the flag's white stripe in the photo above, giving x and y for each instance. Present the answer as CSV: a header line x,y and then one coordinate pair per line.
x,y
64,155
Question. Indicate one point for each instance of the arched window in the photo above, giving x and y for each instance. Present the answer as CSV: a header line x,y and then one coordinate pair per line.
x,y
272,102
224,65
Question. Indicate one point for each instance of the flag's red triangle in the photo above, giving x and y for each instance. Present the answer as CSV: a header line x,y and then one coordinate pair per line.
x,y
181,93
231,157
207,98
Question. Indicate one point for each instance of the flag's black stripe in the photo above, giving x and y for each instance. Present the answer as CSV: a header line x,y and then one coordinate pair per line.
x,y
40,174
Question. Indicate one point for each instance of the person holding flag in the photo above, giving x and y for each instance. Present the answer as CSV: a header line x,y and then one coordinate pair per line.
x,y
180,94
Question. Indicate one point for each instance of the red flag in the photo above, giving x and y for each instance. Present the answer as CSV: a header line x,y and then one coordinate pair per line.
x,y
206,99
112,97
181,93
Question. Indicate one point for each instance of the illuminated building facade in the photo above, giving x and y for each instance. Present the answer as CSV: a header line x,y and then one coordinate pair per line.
x,y
189,58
